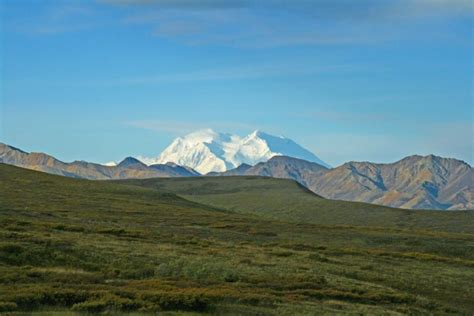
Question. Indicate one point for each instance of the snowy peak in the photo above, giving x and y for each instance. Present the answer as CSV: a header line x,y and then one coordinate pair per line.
x,y
201,136
209,151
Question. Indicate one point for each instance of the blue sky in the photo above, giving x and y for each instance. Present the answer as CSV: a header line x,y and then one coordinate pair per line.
x,y
349,80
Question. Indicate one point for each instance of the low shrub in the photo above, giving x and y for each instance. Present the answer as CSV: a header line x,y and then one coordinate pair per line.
x,y
280,253
201,269
255,232
141,273
69,228
108,302
7,306
11,253
43,254
31,298
90,306
230,276
318,257
121,232
177,301
300,247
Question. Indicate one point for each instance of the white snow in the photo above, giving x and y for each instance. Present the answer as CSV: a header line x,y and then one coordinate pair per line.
x,y
207,150
110,164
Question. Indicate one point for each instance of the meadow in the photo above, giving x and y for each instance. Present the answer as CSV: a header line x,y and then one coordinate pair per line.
x,y
233,245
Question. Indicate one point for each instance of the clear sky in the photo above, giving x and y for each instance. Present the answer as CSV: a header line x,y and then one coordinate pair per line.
x,y
369,80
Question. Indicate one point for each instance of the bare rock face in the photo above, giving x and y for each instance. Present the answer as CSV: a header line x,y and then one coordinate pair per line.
x,y
415,182
281,167
128,168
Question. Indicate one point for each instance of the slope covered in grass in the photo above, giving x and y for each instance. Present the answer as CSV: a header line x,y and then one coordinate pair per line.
x,y
286,200
81,245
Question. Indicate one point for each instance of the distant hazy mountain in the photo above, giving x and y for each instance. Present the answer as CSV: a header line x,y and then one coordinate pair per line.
x,y
128,168
414,182
208,151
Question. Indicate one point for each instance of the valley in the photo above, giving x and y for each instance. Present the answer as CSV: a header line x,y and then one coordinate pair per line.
x,y
251,245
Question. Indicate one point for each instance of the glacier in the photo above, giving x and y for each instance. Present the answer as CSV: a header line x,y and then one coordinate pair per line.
x,y
207,151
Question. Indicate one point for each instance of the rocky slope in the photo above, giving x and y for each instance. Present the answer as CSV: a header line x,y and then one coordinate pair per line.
x,y
415,182
280,167
128,168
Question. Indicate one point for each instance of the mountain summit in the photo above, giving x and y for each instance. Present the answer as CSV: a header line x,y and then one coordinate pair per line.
x,y
208,151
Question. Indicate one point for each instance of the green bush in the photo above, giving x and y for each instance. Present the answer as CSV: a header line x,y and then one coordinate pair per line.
x,y
177,301
90,306
141,273
34,297
281,253
200,269
44,254
108,302
69,228
11,253
318,257
7,306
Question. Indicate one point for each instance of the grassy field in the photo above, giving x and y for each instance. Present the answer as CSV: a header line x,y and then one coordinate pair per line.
x,y
242,246
286,200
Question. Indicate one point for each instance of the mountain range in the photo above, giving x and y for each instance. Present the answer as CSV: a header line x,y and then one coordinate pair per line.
x,y
415,182
128,168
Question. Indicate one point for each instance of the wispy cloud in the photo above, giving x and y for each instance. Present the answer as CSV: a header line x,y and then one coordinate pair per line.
x,y
321,8
253,71
278,23
254,24
182,4
54,18
54,29
70,9
249,71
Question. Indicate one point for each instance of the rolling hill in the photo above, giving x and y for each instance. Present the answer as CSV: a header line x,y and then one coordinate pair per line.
x,y
287,200
176,245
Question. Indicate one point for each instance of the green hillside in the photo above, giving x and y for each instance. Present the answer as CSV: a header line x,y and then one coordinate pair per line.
x,y
286,200
211,246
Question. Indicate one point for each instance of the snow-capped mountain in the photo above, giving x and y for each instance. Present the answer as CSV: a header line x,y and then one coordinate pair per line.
x,y
207,150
